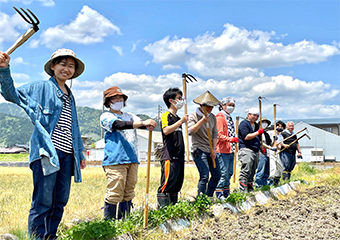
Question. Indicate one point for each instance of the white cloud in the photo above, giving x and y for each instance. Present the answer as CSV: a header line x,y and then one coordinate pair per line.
x,y
19,60
170,66
47,3
236,52
134,45
118,49
9,26
297,98
20,76
89,27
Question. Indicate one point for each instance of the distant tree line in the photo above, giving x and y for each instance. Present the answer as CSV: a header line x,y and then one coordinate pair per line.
x,y
16,127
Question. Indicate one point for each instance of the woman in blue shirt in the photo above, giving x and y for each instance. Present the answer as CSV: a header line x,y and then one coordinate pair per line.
x,y
56,145
120,161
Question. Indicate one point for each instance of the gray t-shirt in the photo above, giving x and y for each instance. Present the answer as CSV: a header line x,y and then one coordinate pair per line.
x,y
200,139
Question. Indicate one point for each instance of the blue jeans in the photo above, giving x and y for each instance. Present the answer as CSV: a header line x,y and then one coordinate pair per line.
x,y
262,173
288,161
226,162
50,196
204,165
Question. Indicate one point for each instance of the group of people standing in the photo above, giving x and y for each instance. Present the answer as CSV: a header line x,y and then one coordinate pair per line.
x,y
56,146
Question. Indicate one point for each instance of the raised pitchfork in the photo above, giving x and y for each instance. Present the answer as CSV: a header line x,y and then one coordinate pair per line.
x,y
23,38
185,78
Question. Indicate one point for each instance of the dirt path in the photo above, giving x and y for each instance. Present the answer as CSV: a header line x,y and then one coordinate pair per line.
x,y
313,214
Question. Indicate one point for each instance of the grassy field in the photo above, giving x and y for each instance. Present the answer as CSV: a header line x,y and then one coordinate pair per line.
x,y
21,157
86,198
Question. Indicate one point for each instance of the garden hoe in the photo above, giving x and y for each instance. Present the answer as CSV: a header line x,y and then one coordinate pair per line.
x,y
23,38
185,81
236,149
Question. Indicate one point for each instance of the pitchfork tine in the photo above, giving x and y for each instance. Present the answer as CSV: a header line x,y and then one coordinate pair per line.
x,y
21,14
34,17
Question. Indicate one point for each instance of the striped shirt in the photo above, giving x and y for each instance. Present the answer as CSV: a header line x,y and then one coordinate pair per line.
x,y
62,134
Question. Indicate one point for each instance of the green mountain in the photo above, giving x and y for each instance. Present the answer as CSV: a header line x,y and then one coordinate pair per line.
x,y
16,127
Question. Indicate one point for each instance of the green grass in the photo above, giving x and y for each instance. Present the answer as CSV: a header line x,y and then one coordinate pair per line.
x,y
86,200
20,157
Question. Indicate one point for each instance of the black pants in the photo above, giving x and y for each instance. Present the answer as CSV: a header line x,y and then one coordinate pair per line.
x,y
172,176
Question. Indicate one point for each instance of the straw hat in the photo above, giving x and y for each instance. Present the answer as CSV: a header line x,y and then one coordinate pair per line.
x,y
207,99
65,52
265,119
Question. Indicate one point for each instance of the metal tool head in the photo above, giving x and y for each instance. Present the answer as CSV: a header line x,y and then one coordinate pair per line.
x,y
188,76
275,104
30,19
260,98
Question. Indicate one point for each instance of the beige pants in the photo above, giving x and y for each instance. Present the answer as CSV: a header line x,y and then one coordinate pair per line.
x,y
121,182
275,165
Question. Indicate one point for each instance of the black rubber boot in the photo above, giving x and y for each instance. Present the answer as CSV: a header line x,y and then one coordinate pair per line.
x,y
163,200
243,187
285,176
110,211
174,198
124,209
250,187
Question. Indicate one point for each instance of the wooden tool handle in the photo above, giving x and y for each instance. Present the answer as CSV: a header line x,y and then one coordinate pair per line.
x,y
146,207
236,150
209,138
23,38
186,124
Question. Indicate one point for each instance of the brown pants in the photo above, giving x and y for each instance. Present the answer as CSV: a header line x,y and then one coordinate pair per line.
x,y
121,182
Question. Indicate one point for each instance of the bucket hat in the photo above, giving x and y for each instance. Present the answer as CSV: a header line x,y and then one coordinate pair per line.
x,y
207,99
113,91
265,119
65,52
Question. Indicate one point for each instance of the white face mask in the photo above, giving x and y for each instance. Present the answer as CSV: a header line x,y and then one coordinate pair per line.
x,y
264,125
117,106
179,104
230,109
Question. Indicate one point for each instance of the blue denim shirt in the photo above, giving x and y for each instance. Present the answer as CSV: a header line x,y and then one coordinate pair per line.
x,y
42,101
120,145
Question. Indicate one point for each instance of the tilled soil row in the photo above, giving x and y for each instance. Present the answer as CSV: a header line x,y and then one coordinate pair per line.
x,y
312,214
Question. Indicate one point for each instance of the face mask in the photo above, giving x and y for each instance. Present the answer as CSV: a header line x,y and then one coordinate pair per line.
x,y
278,129
179,104
117,106
264,125
230,109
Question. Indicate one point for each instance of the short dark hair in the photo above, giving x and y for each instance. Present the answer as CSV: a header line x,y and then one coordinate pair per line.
x,y
282,123
171,94
57,60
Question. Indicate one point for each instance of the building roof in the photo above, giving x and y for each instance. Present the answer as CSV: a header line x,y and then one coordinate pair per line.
x,y
315,121
12,150
156,135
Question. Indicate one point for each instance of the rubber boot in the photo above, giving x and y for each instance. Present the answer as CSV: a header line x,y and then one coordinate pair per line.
x,y
219,195
250,187
276,181
124,209
243,187
163,200
110,211
285,176
174,198
226,192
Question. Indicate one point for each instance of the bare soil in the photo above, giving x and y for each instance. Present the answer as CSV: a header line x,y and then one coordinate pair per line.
x,y
311,214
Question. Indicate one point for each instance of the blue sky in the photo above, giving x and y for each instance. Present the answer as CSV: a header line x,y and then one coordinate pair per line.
x,y
287,51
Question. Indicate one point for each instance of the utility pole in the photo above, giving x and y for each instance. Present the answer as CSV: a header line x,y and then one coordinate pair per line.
x,y
159,113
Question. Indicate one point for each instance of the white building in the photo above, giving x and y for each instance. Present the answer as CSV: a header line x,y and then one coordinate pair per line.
x,y
97,153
